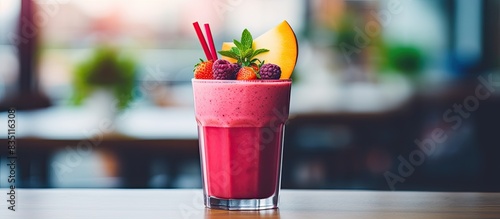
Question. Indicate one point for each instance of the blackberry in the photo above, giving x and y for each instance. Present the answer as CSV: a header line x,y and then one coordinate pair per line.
x,y
270,71
224,70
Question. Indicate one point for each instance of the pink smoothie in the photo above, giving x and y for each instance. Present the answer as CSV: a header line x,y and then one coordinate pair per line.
x,y
240,127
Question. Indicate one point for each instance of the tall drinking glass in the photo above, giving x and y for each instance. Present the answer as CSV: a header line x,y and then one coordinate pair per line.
x,y
240,130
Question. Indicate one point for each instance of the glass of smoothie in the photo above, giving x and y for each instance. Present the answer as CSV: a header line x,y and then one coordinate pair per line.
x,y
240,127
241,104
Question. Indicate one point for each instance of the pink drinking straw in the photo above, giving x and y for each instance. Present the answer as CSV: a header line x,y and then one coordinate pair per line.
x,y
202,41
211,41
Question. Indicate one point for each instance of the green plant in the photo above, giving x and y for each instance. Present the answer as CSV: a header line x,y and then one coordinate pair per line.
x,y
105,69
406,59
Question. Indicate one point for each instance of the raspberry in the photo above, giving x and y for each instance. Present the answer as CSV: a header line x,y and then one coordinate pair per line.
x,y
270,71
224,70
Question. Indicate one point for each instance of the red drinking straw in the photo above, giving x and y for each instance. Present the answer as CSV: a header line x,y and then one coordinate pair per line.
x,y
211,41
202,41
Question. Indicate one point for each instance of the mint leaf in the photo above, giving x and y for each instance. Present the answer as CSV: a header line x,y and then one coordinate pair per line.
x,y
246,39
229,54
247,53
255,60
243,50
259,51
236,51
261,63
238,45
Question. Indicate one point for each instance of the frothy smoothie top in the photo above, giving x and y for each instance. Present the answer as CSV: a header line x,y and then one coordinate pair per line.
x,y
255,103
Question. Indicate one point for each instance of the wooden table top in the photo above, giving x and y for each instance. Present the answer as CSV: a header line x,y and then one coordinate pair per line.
x,y
186,204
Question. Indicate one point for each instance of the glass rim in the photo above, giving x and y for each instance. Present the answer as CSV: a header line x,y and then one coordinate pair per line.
x,y
256,81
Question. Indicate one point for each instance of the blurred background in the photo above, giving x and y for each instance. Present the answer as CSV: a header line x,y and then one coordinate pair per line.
x,y
387,94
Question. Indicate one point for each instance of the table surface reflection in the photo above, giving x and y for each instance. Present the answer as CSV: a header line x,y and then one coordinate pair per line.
x,y
185,204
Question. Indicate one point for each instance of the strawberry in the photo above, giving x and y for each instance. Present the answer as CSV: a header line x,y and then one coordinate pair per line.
x,y
203,70
246,73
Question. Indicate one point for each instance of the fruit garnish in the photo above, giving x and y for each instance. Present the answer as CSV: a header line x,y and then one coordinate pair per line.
x,y
255,67
246,73
270,71
203,70
243,51
224,70
281,42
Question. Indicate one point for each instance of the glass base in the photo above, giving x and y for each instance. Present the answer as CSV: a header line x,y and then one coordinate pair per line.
x,y
242,204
